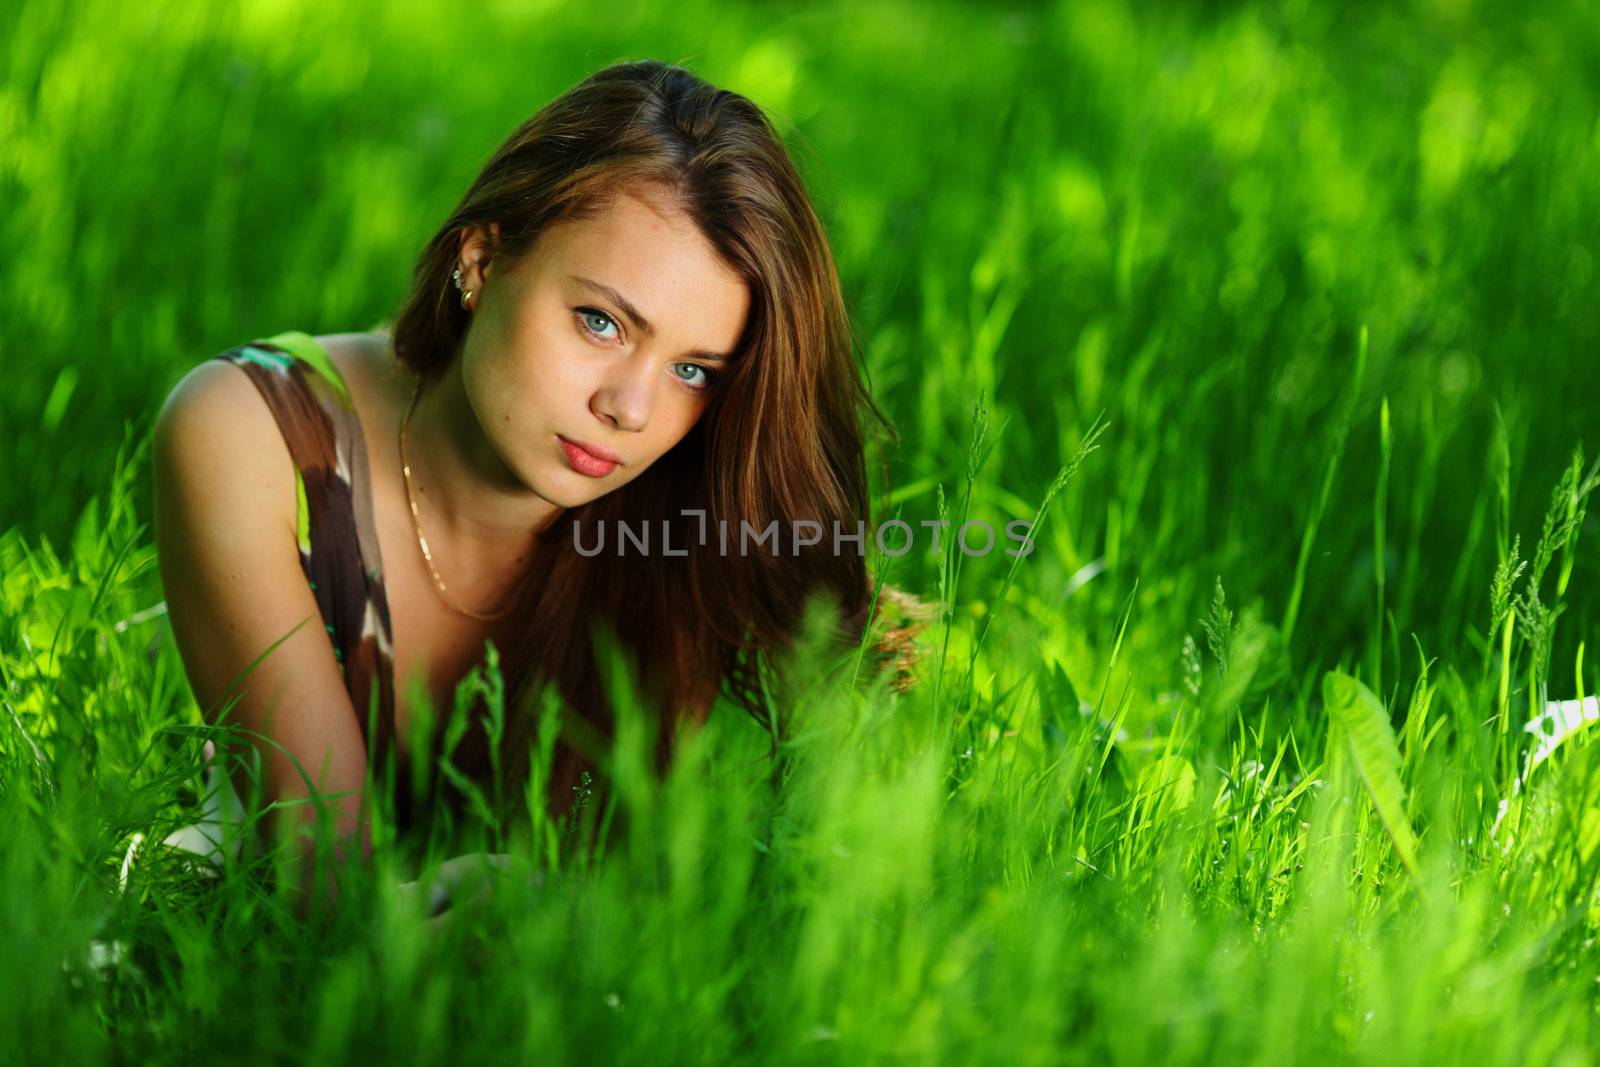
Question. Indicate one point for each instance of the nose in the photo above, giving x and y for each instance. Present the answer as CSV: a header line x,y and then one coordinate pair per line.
x,y
624,399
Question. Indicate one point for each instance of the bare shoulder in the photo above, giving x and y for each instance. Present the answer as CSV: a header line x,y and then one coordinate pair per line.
x,y
368,365
213,385
215,430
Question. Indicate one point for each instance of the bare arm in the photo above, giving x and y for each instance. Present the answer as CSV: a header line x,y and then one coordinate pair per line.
x,y
224,526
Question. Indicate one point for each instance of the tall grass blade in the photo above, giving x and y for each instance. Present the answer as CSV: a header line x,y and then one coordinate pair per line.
x,y
1360,718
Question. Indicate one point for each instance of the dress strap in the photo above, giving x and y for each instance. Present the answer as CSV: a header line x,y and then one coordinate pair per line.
x,y
305,348
335,526
350,450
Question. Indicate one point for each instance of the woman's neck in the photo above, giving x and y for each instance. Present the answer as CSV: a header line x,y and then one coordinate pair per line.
x,y
468,498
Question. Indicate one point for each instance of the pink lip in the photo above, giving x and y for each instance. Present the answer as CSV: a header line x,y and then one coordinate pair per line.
x,y
594,450
589,460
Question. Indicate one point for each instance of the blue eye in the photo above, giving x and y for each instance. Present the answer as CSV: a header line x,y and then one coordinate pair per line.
x,y
705,376
588,315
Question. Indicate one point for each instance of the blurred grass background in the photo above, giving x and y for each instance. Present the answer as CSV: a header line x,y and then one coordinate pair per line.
x,y
1182,218
1179,216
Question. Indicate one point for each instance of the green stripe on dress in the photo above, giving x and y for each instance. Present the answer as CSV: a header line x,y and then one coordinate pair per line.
x,y
306,348
302,514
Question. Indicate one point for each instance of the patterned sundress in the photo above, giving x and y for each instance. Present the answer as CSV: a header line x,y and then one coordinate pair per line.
x,y
334,522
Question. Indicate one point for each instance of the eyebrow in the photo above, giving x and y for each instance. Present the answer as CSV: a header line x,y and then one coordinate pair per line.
x,y
645,326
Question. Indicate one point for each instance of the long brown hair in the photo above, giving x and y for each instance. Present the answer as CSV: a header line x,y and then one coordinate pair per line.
x,y
781,438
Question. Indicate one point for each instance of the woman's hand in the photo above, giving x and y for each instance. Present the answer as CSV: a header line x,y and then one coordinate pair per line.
x,y
461,885
468,878
897,625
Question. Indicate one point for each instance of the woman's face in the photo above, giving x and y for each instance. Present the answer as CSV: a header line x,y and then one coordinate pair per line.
x,y
604,339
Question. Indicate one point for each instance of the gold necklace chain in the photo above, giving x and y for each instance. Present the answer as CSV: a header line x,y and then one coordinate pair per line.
x,y
422,542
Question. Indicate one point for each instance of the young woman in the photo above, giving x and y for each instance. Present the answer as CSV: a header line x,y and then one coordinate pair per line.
x,y
632,319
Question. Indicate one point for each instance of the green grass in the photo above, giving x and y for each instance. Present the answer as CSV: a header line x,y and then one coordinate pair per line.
x,y
1213,776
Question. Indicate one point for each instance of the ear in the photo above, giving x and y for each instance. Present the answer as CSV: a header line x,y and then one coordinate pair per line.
x,y
477,250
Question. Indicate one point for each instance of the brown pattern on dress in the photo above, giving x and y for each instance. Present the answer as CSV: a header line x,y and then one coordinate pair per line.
x,y
335,528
